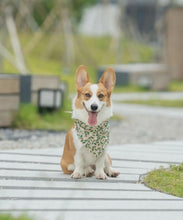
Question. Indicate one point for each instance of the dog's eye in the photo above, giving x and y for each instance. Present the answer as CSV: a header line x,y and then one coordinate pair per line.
x,y
101,96
88,95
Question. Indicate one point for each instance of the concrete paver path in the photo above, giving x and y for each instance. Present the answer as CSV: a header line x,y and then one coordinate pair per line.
x,y
32,182
132,109
147,96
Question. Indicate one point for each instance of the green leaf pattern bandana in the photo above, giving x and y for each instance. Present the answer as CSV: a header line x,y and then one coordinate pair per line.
x,y
93,138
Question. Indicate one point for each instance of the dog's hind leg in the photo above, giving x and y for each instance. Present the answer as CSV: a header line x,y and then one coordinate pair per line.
x,y
71,167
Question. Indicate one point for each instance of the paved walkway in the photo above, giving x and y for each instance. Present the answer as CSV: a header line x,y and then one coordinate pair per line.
x,y
134,109
127,109
31,181
147,96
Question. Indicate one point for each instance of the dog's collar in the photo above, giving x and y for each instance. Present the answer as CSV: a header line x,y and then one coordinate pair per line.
x,y
94,138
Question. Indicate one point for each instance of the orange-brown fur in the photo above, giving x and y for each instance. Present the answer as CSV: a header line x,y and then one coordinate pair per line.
x,y
68,154
86,89
107,95
81,96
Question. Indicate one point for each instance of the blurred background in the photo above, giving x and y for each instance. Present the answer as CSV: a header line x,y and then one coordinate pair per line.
x,y
42,42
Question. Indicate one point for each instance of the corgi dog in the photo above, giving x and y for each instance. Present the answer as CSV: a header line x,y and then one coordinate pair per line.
x,y
85,143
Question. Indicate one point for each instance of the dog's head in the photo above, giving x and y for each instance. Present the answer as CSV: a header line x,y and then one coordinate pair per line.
x,y
92,104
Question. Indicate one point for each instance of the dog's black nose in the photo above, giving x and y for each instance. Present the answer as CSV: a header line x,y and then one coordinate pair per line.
x,y
94,107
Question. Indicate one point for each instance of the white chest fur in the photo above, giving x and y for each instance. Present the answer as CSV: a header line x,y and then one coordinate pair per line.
x,y
82,153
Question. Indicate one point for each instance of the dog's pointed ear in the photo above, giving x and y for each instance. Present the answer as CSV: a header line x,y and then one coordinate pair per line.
x,y
82,77
108,79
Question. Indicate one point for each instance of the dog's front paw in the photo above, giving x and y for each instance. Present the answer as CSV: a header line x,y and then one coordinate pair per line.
x,y
76,175
89,172
101,175
112,172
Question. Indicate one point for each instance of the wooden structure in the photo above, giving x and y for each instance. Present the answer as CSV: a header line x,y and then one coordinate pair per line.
x,y
174,42
9,98
10,93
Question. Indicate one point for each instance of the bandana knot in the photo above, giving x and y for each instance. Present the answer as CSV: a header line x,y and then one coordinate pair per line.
x,y
94,138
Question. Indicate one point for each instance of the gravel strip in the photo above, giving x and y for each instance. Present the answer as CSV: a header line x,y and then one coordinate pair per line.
x,y
145,129
37,139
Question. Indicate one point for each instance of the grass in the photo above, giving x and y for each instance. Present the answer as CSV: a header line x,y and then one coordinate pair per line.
x,y
176,86
129,89
116,117
48,55
29,118
10,217
167,180
157,102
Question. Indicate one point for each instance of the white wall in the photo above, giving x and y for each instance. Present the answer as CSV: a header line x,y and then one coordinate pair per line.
x,y
100,20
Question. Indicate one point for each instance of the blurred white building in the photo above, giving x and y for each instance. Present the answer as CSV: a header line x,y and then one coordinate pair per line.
x,y
101,20
105,19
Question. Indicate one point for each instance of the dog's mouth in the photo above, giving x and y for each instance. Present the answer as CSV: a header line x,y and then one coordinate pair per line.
x,y
92,116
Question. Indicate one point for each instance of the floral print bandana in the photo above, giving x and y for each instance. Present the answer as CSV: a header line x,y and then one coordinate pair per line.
x,y
94,138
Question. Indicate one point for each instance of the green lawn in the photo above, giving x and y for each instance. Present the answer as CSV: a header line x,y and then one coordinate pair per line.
x,y
176,86
130,88
156,102
29,118
10,217
167,180
116,117
48,57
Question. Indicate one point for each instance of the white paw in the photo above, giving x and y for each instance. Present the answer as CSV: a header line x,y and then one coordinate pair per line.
x,y
112,172
71,167
101,175
76,175
89,172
